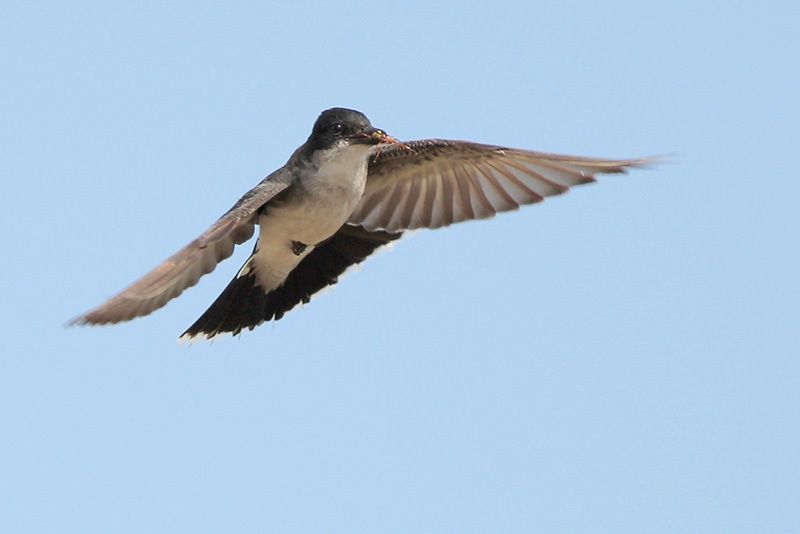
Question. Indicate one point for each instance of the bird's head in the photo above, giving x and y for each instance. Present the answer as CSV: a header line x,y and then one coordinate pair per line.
x,y
342,127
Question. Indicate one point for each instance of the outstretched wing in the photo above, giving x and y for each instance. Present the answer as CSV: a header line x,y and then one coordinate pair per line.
x,y
184,268
436,182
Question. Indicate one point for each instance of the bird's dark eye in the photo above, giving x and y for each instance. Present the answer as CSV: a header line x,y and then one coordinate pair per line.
x,y
337,127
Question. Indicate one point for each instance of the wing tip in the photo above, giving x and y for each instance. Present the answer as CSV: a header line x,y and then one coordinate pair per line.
x,y
88,319
648,162
80,320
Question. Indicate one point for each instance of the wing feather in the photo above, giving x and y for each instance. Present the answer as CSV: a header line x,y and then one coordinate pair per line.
x,y
433,183
184,268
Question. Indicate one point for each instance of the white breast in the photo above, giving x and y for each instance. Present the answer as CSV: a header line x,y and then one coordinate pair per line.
x,y
318,206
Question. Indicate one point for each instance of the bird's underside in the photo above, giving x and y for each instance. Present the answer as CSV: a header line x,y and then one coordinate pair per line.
x,y
419,184
245,305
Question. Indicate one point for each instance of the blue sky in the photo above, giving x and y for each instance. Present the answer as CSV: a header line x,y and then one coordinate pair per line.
x,y
621,359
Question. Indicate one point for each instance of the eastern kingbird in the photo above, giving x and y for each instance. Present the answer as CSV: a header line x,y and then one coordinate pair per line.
x,y
347,191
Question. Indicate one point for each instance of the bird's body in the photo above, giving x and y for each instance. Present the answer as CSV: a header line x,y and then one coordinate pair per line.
x,y
323,195
347,191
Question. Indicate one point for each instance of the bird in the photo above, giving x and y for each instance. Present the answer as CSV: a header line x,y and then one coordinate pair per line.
x,y
349,190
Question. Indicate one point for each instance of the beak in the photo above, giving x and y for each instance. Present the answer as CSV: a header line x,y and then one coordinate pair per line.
x,y
373,136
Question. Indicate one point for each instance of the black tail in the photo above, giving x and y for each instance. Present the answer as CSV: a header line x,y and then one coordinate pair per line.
x,y
243,304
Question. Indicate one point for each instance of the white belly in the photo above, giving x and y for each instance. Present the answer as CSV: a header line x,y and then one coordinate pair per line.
x,y
310,214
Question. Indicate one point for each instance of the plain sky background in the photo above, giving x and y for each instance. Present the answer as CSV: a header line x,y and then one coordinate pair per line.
x,y
625,358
